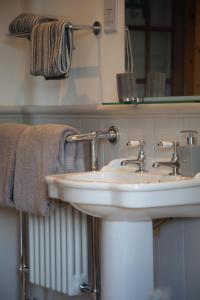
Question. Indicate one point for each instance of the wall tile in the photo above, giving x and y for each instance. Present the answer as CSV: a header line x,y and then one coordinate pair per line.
x,y
11,119
53,119
129,129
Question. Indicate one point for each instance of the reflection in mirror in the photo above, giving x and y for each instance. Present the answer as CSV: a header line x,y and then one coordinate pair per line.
x,y
165,41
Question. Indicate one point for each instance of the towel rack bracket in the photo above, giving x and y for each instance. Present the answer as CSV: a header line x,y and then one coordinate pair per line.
x,y
97,27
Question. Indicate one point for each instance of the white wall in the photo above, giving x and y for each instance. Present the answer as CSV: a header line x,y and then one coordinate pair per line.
x,y
96,59
13,61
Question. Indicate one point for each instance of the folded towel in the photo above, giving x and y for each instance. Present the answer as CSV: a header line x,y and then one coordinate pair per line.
x,y
51,49
24,23
9,135
42,151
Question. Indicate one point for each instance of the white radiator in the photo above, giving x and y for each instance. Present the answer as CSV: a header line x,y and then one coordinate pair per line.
x,y
58,252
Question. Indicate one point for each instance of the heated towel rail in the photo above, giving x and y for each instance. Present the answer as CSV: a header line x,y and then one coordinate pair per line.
x,y
58,253
112,135
57,244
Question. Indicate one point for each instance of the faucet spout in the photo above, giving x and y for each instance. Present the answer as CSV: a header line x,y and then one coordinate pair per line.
x,y
138,162
174,164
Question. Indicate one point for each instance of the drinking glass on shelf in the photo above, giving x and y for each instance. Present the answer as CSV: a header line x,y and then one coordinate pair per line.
x,y
126,86
155,85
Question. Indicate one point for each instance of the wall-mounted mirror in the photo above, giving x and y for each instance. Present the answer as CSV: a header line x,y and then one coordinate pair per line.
x,y
165,39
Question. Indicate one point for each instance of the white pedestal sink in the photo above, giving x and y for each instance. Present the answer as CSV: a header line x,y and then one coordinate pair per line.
x,y
127,202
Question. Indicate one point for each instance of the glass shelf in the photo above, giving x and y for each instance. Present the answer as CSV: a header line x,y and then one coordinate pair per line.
x,y
160,100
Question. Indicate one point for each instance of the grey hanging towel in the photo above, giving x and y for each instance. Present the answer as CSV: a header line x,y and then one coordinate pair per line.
x,y
9,136
42,151
51,49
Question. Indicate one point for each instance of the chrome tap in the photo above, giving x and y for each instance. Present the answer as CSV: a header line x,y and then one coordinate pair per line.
x,y
174,162
140,161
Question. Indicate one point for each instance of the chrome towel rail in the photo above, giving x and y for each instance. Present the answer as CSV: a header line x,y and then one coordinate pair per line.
x,y
96,28
112,135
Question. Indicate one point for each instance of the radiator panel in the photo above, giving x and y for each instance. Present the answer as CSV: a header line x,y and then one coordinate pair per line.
x,y
58,252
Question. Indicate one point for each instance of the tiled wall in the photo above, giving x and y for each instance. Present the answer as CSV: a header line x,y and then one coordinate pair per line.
x,y
177,247
152,129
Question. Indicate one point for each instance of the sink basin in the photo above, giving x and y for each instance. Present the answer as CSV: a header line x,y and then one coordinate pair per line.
x,y
127,202
122,194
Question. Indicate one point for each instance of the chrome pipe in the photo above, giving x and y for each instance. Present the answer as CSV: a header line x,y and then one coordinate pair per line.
x,y
96,27
94,154
22,279
81,137
23,269
95,276
96,257
112,135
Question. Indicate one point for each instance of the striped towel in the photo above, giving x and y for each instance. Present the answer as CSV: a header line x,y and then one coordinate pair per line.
x,y
52,46
24,23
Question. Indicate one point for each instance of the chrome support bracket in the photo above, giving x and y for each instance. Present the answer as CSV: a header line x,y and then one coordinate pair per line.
x,y
114,134
85,288
24,269
97,27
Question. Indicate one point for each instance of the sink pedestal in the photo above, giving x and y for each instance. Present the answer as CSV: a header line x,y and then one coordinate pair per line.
x,y
127,260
